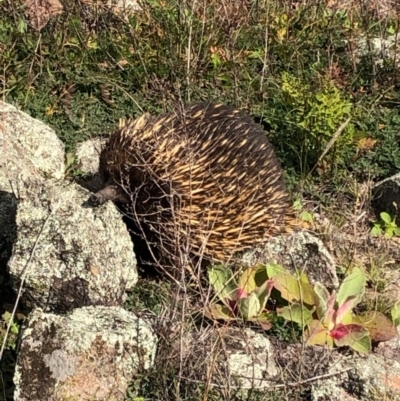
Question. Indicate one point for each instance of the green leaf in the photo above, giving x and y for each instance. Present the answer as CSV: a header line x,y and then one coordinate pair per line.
x,y
216,60
386,217
21,26
261,275
223,281
344,312
389,232
376,231
264,292
70,159
352,286
362,345
322,299
296,313
293,289
307,216
317,334
297,205
357,337
395,312
274,269
247,281
249,307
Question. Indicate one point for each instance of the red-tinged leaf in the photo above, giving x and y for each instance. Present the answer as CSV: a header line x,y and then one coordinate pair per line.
x,y
264,320
241,293
330,317
344,314
343,330
379,326
359,340
352,286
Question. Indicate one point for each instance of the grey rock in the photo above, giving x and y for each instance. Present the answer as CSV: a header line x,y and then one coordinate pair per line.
x,y
69,255
28,149
92,354
301,251
359,378
88,154
124,7
231,357
88,158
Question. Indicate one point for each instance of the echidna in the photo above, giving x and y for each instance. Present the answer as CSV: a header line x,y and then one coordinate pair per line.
x,y
205,180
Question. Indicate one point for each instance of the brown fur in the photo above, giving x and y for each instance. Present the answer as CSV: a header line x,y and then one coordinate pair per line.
x,y
205,181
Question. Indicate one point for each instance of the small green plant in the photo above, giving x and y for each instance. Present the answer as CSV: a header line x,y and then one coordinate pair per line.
x,y
13,334
395,312
335,324
327,318
304,215
245,298
386,225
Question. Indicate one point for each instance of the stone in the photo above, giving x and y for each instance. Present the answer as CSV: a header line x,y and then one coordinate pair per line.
x,y
301,251
91,354
67,255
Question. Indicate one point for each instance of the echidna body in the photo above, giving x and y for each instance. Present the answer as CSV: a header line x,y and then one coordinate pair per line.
x,y
204,180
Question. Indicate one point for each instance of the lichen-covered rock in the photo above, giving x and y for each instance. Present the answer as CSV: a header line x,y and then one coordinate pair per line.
x,y
71,256
88,160
91,354
28,148
365,378
231,358
88,154
301,251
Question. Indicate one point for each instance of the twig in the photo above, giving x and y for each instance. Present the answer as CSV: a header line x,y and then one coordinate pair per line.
x,y
330,144
24,274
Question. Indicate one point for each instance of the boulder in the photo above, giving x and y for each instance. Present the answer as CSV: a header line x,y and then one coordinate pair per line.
x,y
91,354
